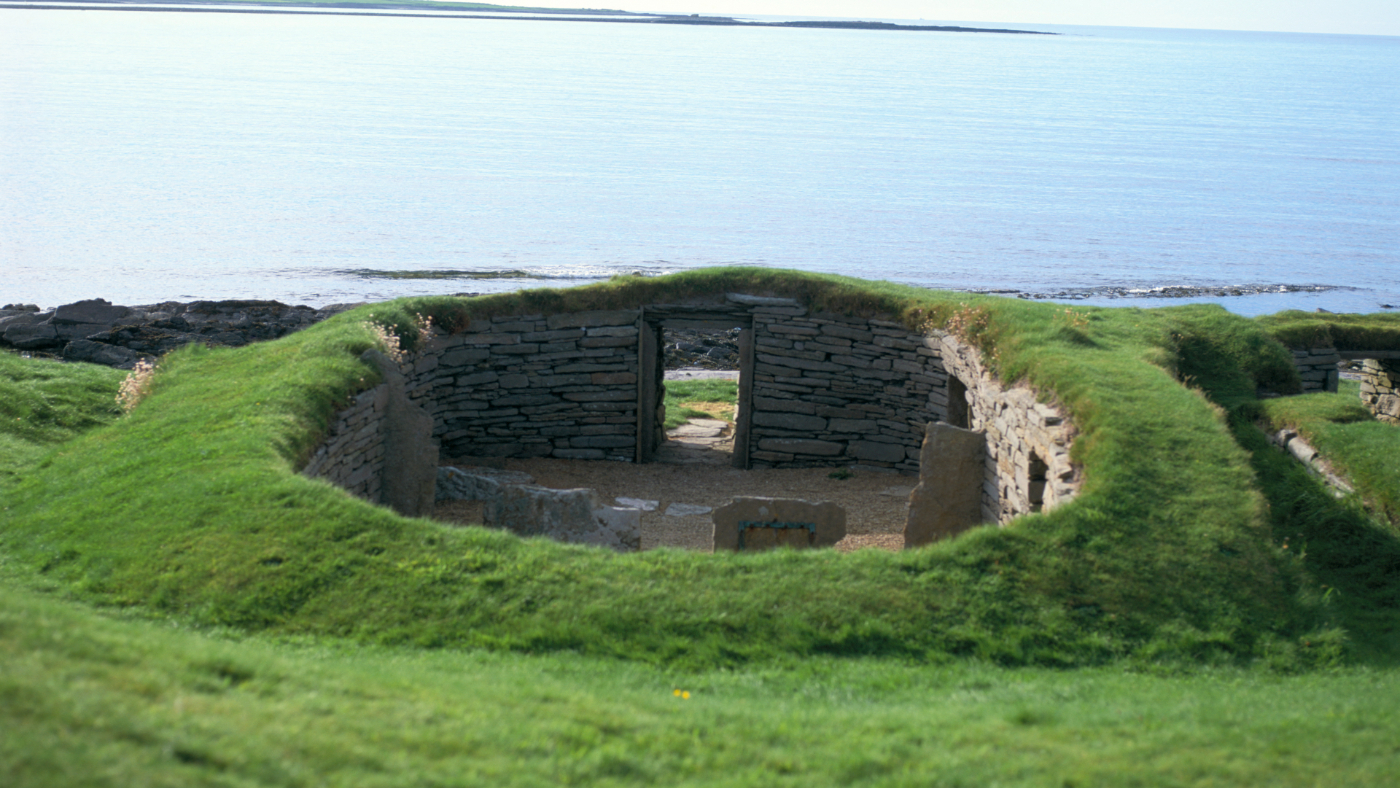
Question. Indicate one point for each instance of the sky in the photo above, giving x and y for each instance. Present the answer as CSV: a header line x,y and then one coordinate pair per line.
x,y
1367,17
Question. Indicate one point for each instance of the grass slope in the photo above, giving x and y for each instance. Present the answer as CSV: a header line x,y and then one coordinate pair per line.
x,y
43,404
191,507
86,700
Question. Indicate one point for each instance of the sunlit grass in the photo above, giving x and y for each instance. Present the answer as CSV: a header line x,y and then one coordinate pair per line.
x,y
680,393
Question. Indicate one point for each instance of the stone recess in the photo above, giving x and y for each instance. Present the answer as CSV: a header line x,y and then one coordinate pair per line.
x,y
381,447
827,519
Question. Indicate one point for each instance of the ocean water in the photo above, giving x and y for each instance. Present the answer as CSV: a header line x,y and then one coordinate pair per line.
x,y
155,156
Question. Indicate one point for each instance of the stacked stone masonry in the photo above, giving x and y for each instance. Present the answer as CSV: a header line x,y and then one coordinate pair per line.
x,y
352,454
1380,376
561,386
1028,442
1317,367
1380,388
826,390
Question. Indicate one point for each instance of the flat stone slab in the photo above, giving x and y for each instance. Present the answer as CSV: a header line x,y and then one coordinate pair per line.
x,y
573,516
475,483
769,523
686,510
698,428
638,503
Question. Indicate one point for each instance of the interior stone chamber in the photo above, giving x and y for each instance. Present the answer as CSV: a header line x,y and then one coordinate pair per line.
x,y
815,390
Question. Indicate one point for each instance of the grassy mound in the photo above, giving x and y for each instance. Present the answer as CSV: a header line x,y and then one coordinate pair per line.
x,y
1295,328
43,404
191,506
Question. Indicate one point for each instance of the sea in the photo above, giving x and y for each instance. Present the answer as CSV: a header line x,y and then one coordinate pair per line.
x,y
319,159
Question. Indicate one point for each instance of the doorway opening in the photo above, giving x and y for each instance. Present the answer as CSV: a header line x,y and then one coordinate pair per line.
x,y
696,375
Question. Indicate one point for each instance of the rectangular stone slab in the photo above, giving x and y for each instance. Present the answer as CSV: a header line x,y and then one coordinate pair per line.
x,y
948,499
828,523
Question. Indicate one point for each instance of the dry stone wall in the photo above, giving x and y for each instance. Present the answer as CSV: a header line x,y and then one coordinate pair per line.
x,y
533,386
1317,367
1380,388
826,390
352,454
1028,467
836,390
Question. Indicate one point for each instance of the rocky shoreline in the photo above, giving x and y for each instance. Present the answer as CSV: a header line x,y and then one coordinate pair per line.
x,y
100,332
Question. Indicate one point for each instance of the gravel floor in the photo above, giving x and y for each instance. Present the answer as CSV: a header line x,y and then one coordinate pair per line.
x,y
875,502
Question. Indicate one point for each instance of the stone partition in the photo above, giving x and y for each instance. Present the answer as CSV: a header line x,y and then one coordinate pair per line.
x,y
530,386
1028,467
1380,388
1317,367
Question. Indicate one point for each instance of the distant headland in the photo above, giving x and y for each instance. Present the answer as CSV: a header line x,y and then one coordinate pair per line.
x,y
451,10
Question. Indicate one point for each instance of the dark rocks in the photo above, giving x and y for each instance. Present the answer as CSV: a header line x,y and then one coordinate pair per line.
x,y
100,332
707,349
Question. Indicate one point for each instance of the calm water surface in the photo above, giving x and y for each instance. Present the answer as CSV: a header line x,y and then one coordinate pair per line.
x,y
146,157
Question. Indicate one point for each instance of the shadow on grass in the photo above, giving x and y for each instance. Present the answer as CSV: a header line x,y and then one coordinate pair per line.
x,y
1354,559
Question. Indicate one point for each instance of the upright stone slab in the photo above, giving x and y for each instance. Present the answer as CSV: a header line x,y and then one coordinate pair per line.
x,y
948,499
768,523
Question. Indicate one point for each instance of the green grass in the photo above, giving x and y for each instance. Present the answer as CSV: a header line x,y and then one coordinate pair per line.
x,y
679,392
1377,331
89,700
256,627
191,507
43,403
1366,451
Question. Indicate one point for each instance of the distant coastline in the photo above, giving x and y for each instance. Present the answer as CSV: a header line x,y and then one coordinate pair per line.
x,y
482,11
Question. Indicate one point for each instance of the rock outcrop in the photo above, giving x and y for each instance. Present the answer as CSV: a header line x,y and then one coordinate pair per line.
x,y
100,332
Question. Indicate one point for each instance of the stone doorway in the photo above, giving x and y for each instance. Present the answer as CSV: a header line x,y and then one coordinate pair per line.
x,y
653,325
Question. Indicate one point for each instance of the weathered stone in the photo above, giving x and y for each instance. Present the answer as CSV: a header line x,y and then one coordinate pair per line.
x,y
93,310
575,516
753,300
475,483
948,498
591,319
789,421
20,319
98,353
800,446
32,337
826,521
